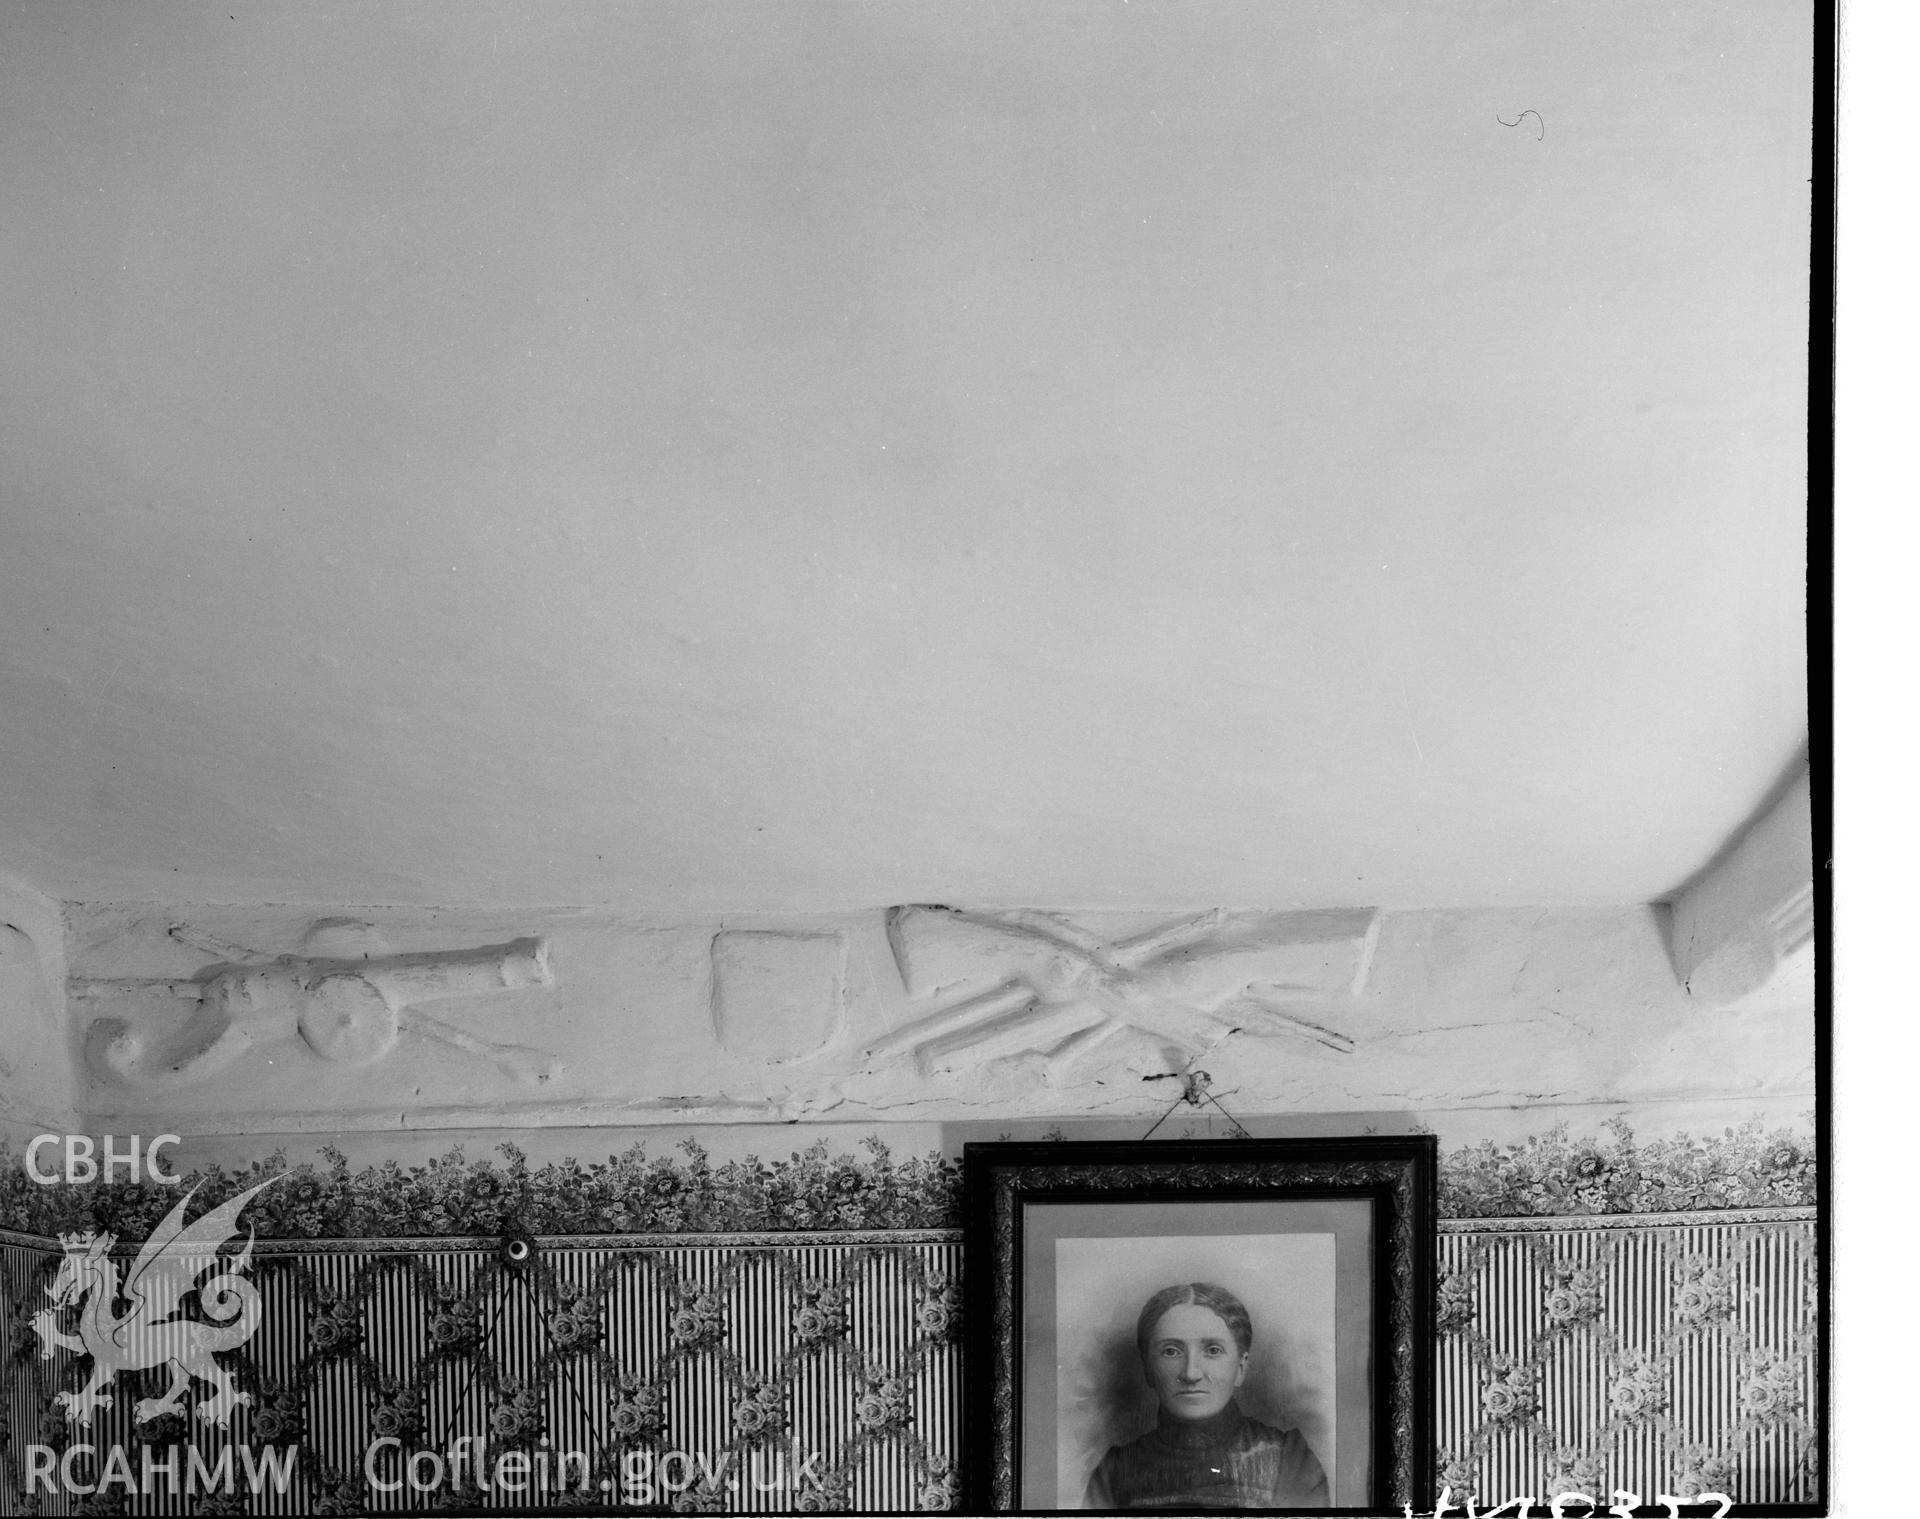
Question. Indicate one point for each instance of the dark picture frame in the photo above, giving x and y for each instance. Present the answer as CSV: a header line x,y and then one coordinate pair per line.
x,y
1328,1243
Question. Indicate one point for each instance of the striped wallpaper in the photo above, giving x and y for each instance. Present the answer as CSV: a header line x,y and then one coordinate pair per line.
x,y
1663,1354
1660,1353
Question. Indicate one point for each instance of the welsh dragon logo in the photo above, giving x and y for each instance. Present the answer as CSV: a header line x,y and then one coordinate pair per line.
x,y
151,1330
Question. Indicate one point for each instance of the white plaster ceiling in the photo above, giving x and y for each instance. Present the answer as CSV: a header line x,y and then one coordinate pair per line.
x,y
731,456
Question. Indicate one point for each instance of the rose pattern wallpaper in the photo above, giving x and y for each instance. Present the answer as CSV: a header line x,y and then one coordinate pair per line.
x,y
1553,1174
793,1328
802,1376
1674,1357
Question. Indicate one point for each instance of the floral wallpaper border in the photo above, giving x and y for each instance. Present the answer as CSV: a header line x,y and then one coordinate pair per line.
x,y
1555,1175
1547,1175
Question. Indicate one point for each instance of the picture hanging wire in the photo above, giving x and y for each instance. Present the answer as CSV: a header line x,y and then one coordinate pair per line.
x,y
516,1267
1196,1088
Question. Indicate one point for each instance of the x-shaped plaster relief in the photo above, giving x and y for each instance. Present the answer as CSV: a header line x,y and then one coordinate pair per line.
x,y
1043,985
346,1009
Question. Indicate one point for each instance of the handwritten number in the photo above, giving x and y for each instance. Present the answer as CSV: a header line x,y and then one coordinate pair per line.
x,y
1624,1504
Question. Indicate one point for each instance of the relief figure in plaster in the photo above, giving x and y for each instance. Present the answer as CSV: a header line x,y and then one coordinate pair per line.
x,y
1037,984
343,1009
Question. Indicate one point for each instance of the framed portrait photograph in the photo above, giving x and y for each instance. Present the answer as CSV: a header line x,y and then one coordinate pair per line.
x,y
1189,1325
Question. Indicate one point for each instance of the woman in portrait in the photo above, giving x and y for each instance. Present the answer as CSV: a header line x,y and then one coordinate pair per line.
x,y
1194,1341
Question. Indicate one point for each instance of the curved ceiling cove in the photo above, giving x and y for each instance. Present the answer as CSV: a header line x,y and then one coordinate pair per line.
x,y
797,458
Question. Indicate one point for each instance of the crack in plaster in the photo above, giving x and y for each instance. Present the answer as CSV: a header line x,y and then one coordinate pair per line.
x,y
1441,1028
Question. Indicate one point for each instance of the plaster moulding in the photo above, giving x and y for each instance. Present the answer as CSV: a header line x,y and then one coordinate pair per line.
x,y
1012,984
914,1014
345,1004
1745,924
776,994
36,1074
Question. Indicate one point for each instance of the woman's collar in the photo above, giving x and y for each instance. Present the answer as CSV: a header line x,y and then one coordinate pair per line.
x,y
1200,1434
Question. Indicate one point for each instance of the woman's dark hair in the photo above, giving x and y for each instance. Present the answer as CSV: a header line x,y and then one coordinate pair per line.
x,y
1203,1295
